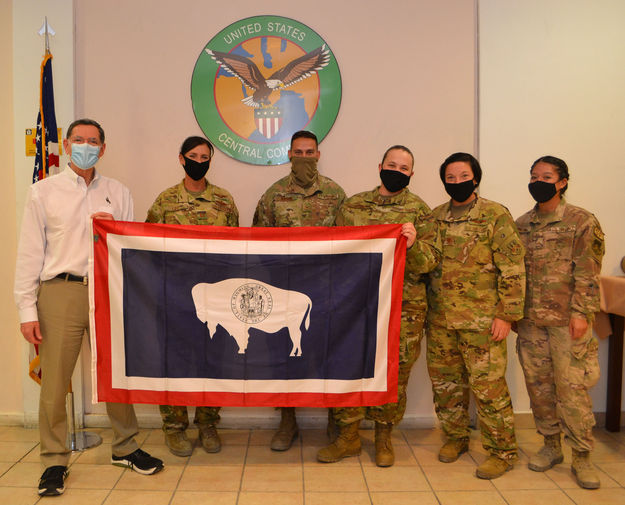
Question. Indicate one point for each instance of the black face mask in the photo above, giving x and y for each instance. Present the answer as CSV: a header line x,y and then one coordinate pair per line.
x,y
461,191
394,180
542,191
195,169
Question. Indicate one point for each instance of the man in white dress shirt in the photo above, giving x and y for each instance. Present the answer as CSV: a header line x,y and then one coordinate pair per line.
x,y
52,295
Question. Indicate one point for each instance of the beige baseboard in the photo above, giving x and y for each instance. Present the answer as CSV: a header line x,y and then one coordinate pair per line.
x,y
522,420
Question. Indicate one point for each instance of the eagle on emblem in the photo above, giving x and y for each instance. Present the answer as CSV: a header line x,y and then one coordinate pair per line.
x,y
249,74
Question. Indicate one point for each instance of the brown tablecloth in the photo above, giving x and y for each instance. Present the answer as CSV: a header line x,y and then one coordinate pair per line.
x,y
612,290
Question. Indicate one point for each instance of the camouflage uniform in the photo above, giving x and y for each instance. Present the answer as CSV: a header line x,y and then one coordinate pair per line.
x,y
176,205
371,207
563,261
285,204
214,206
480,277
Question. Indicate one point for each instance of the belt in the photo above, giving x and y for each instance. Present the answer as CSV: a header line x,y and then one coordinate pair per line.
x,y
73,278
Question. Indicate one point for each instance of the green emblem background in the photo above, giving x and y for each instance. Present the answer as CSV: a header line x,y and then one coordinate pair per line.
x,y
203,91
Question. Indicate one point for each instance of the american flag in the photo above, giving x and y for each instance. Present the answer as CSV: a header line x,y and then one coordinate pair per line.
x,y
46,157
47,139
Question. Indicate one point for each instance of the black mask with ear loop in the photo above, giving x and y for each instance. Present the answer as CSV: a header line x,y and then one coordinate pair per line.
x,y
542,191
196,169
394,180
461,191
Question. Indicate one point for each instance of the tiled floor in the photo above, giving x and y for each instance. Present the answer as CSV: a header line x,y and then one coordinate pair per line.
x,y
246,472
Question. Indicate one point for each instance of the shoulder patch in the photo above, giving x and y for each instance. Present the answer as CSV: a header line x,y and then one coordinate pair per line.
x,y
598,243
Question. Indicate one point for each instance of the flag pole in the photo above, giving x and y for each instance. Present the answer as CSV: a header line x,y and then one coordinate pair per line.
x,y
47,38
78,441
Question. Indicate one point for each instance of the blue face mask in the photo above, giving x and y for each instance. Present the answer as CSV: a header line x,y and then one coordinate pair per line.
x,y
84,156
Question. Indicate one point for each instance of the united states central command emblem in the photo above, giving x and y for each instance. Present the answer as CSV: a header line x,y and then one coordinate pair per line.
x,y
260,80
251,303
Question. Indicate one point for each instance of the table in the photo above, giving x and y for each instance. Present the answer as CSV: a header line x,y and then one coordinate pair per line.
x,y
610,322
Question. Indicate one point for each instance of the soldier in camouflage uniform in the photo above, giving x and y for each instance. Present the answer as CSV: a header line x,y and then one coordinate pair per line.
x,y
391,202
556,347
302,198
474,295
193,201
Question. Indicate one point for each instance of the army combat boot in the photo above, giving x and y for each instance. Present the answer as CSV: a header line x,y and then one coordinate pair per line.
x,y
585,473
287,432
209,438
549,454
452,450
346,444
493,467
178,443
384,454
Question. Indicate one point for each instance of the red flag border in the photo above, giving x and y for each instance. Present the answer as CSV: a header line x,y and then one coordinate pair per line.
x,y
100,310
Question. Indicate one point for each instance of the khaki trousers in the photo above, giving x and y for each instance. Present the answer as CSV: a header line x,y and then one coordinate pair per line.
x,y
63,309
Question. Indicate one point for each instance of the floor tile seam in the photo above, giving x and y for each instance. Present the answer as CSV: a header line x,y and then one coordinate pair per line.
x,y
615,438
175,490
570,497
21,487
31,450
490,481
110,491
301,459
499,491
126,469
364,476
420,466
9,469
469,491
247,449
602,471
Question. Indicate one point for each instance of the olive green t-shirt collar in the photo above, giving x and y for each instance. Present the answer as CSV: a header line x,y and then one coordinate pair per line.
x,y
550,217
474,211
379,199
186,195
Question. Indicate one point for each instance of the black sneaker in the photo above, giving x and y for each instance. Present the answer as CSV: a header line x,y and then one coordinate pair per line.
x,y
139,461
52,482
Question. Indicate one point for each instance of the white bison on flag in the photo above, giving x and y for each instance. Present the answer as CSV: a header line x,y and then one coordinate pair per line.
x,y
241,304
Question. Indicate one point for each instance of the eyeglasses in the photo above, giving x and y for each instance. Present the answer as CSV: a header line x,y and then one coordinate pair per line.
x,y
80,140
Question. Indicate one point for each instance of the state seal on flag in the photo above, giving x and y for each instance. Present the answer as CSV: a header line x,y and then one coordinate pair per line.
x,y
251,303
258,81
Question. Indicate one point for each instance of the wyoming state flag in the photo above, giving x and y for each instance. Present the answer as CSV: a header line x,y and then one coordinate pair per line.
x,y
207,315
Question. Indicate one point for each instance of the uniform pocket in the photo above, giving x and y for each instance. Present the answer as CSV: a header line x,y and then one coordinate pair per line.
x,y
558,243
584,368
465,241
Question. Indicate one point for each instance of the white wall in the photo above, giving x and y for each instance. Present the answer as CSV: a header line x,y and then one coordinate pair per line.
x,y
551,74
551,82
11,399
408,77
22,73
